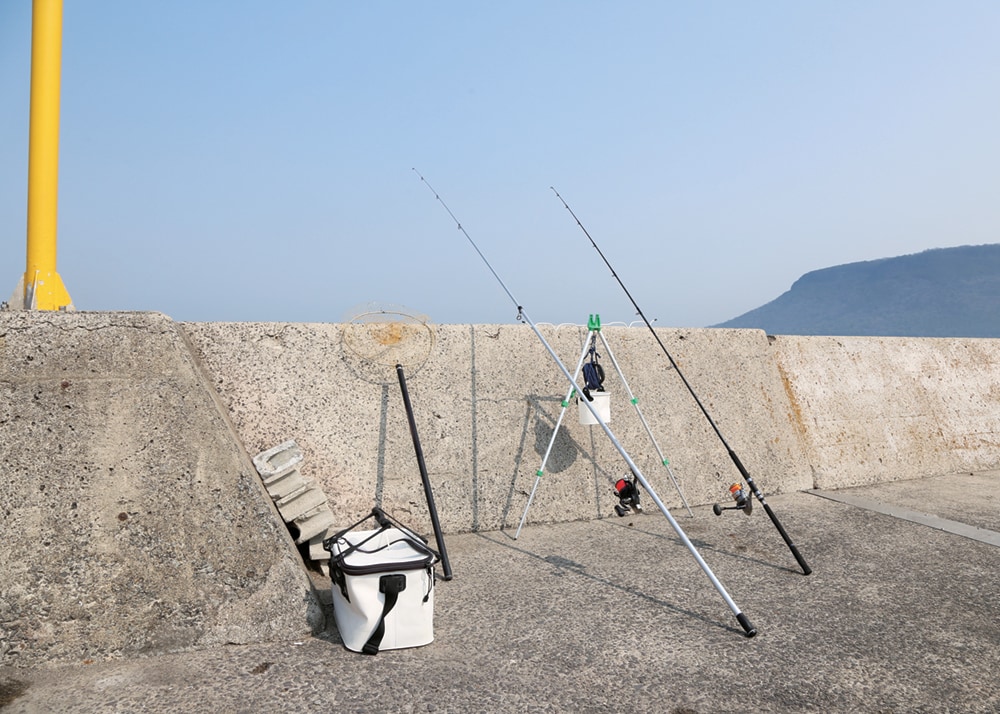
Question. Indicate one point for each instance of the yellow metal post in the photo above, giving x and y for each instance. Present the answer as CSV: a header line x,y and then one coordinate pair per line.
x,y
43,289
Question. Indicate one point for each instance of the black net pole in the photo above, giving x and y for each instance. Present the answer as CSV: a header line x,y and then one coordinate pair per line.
x,y
435,523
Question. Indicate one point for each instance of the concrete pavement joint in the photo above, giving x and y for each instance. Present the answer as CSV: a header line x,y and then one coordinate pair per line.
x,y
982,535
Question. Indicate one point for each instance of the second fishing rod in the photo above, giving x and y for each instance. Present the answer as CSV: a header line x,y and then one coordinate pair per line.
x,y
732,454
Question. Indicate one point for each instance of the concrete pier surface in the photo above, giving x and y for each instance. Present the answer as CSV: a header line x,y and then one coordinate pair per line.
x,y
614,614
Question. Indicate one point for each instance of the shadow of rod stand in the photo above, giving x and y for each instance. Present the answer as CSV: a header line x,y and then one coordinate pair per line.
x,y
438,536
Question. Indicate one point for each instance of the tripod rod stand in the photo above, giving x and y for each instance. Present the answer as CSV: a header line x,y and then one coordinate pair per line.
x,y
594,332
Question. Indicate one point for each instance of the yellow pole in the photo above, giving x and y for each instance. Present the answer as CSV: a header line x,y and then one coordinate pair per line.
x,y
43,288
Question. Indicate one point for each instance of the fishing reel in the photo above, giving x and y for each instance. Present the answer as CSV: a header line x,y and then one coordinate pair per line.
x,y
743,501
628,497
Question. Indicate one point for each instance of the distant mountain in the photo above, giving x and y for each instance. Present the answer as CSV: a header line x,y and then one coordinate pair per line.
x,y
945,292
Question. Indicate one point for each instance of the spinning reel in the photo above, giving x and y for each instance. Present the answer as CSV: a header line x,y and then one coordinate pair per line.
x,y
628,497
743,501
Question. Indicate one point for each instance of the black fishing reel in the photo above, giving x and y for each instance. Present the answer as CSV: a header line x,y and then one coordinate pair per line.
x,y
628,497
743,501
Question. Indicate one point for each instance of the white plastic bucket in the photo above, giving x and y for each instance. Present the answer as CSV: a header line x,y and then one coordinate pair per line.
x,y
601,404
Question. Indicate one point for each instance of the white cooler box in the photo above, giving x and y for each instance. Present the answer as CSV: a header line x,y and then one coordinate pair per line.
x,y
383,586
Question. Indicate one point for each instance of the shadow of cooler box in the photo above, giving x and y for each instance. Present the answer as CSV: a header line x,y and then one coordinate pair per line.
x,y
383,588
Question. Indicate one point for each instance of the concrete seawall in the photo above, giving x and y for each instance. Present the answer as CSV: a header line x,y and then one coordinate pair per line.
x,y
486,399
877,409
134,522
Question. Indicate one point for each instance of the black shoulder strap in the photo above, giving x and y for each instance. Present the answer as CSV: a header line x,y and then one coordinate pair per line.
x,y
391,585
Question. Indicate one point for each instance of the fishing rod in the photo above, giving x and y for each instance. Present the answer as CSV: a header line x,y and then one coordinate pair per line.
x,y
746,504
522,316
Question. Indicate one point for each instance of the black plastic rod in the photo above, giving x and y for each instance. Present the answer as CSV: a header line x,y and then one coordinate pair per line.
x,y
732,454
438,536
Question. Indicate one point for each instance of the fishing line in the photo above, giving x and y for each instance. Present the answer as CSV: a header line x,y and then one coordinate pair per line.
x,y
732,454
522,316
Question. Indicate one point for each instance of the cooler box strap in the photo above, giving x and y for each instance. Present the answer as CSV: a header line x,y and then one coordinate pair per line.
x,y
391,585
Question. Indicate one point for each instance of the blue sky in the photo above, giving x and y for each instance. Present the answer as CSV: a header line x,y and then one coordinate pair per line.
x,y
253,161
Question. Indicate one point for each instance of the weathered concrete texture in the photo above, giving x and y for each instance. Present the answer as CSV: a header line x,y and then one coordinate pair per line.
x,y
873,409
132,520
486,400
614,615
974,502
